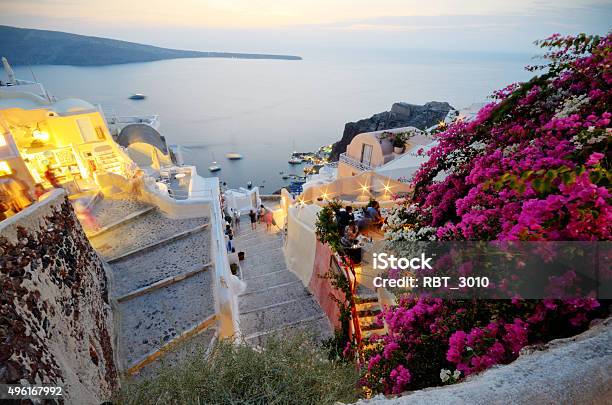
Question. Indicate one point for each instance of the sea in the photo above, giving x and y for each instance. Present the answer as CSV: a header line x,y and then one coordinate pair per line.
x,y
266,109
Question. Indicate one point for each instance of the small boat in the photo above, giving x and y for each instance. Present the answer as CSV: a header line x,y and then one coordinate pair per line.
x,y
295,160
214,167
137,96
285,176
249,184
233,156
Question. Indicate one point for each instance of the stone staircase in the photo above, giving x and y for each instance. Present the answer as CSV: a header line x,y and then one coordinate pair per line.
x,y
368,308
275,301
162,279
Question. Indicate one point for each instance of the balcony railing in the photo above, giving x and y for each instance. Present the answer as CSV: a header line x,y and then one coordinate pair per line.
x,y
344,158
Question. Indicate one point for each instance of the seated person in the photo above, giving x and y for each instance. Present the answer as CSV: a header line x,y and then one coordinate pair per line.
x,y
349,239
344,217
350,234
373,212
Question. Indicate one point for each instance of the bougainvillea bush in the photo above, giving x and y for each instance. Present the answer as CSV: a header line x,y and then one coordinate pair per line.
x,y
534,165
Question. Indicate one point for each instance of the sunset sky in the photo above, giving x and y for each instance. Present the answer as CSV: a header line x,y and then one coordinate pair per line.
x,y
295,25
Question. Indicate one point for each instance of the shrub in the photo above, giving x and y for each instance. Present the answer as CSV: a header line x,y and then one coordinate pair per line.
x,y
533,165
291,370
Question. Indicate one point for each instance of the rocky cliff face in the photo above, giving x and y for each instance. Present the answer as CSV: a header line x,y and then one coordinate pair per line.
x,y
55,315
401,115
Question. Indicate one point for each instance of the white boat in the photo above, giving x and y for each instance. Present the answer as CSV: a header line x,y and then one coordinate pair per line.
x,y
137,96
233,156
295,160
214,167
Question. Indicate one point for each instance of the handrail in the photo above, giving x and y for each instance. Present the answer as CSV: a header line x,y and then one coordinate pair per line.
x,y
346,266
225,300
344,158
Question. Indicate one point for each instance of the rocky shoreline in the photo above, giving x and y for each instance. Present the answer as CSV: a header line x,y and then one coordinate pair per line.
x,y
401,115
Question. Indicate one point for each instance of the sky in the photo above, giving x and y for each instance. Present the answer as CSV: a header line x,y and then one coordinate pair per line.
x,y
306,26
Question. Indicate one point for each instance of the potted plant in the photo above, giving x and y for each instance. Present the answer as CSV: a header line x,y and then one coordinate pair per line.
x,y
399,141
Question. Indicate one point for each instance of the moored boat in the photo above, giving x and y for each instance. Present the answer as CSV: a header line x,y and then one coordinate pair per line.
x,y
214,167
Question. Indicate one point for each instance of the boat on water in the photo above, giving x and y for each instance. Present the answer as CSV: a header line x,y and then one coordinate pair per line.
x,y
214,167
137,96
294,160
233,156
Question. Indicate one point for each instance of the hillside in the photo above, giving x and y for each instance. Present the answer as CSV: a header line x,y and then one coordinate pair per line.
x,y
24,46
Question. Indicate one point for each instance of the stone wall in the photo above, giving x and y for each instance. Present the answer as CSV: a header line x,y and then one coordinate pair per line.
x,y
576,370
55,315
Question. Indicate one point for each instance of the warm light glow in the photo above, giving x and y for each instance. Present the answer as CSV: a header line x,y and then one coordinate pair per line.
x,y
2,140
40,135
5,169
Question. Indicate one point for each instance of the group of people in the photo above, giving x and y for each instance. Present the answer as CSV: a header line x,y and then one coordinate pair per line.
x,y
262,215
232,222
350,228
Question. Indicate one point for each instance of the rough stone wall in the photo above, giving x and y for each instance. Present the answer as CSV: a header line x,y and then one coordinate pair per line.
x,y
401,115
55,315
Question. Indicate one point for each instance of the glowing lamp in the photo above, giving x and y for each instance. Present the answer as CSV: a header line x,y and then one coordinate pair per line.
x,y
40,135
5,169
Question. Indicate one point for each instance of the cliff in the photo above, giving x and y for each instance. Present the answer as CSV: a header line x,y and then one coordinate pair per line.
x,y
25,46
401,115
56,323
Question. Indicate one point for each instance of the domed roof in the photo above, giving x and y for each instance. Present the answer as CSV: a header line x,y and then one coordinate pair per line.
x,y
134,133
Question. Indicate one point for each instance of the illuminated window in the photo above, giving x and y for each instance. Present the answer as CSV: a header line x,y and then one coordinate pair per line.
x,y
5,169
2,140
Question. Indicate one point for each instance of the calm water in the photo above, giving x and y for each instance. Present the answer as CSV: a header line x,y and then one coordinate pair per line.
x,y
266,109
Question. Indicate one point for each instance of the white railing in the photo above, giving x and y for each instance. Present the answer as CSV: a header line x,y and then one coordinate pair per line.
x,y
344,158
119,121
226,283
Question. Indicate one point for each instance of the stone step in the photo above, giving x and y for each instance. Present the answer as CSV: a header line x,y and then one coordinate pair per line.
x,y
142,232
272,295
365,299
317,326
256,245
171,259
250,272
269,280
277,315
369,333
122,221
149,321
198,345
368,320
368,312
109,211
364,306
268,256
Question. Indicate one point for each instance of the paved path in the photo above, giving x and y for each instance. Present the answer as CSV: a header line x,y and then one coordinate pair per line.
x,y
162,278
275,301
